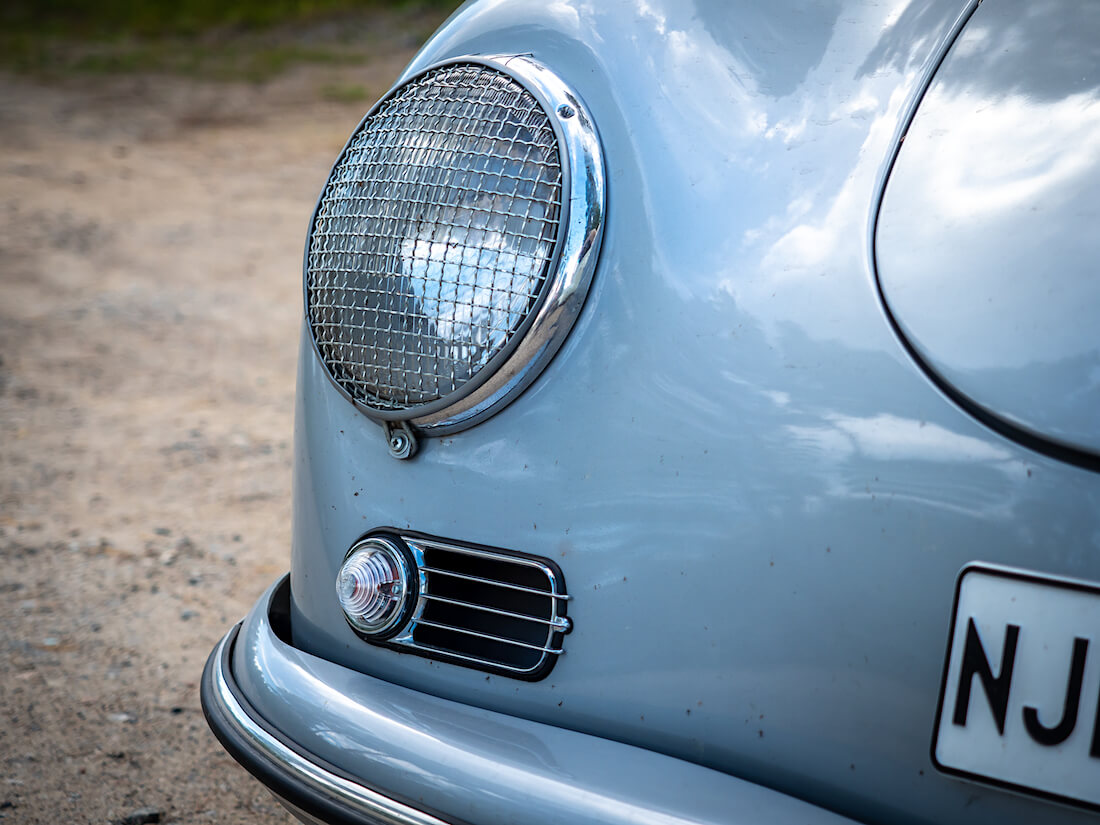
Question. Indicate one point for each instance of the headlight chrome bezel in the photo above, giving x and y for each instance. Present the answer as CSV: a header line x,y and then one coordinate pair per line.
x,y
568,272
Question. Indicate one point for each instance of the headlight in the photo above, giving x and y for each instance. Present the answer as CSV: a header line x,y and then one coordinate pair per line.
x,y
454,242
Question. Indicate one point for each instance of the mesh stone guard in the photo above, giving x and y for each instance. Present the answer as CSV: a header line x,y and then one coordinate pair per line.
x,y
453,244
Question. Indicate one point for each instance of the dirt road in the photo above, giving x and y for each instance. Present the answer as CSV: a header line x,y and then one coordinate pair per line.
x,y
151,234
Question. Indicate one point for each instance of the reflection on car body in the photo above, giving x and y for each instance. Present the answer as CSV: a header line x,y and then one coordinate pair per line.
x,y
704,395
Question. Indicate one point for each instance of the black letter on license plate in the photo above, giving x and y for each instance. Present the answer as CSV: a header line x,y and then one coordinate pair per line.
x,y
974,661
1060,732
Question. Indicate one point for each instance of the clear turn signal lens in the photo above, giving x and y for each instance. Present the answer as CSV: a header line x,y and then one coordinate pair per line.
x,y
373,586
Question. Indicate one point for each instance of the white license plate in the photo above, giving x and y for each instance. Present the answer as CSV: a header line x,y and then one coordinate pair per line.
x,y
1020,700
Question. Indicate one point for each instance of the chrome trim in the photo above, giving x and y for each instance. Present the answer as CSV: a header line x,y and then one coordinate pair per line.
x,y
495,583
561,623
489,636
556,623
403,565
569,273
361,799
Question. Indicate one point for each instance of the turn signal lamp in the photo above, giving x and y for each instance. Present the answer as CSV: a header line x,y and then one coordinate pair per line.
x,y
374,587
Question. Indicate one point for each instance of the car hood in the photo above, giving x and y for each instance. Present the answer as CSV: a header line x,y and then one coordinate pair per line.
x,y
987,249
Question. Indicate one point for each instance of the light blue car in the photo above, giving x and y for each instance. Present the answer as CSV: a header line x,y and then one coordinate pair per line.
x,y
698,421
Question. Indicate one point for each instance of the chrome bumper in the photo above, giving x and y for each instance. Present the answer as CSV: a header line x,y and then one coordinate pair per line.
x,y
325,740
307,787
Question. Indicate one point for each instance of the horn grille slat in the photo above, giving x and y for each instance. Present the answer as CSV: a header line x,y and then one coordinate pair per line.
x,y
490,609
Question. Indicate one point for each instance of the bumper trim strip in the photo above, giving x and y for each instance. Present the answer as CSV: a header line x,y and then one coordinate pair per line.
x,y
299,780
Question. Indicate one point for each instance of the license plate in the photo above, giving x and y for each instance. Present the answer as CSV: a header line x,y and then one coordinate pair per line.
x,y
1020,700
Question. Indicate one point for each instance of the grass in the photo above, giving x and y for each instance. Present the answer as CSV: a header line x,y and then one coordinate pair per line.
x,y
344,92
238,40
158,18
230,58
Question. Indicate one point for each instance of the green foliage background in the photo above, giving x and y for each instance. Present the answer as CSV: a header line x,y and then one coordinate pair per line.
x,y
213,39
176,17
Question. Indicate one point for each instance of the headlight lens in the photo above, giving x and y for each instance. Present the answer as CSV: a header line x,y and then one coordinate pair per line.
x,y
432,240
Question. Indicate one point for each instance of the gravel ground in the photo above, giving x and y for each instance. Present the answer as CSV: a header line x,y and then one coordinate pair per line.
x,y
151,233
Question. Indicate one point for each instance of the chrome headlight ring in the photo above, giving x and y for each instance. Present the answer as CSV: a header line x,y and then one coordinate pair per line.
x,y
420,277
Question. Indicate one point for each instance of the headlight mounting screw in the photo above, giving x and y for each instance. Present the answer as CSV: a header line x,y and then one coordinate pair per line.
x,y
400,439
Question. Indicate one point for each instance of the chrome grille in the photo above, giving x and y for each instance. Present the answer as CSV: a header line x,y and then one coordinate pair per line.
x,y
433,236
486,608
